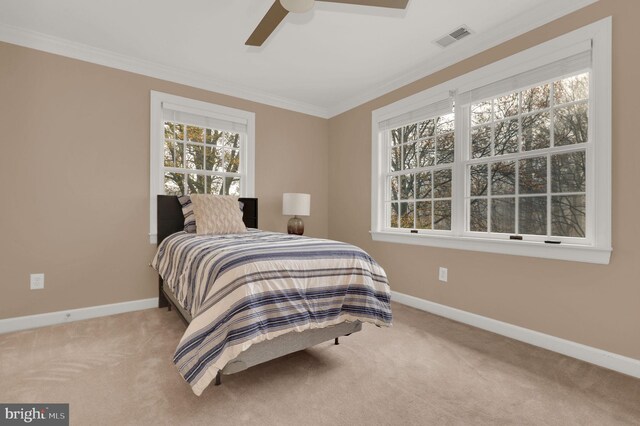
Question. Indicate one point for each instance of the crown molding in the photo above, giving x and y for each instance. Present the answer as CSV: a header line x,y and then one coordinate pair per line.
x,y
63,47
466,48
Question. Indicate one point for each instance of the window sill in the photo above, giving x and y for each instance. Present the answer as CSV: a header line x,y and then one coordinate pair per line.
x,y
571,252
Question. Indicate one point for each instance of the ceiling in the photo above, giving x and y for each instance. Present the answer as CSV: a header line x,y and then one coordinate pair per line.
x,y
322,62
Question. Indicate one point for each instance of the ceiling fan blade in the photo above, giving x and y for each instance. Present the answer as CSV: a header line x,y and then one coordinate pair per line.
x,y
394,4
269,23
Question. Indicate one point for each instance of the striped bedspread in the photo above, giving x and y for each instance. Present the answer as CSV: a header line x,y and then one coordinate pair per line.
x,y
242,289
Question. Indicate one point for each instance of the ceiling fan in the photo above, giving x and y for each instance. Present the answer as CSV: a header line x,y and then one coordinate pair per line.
x,y
281,8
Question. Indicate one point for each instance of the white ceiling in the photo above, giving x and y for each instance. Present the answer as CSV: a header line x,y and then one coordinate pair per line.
x,y
322,62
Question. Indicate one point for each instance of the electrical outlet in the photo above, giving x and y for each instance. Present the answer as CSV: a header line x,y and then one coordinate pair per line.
x,y
442,274
37,281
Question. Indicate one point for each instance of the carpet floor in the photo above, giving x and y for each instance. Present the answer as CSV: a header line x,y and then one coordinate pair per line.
x,y
425,370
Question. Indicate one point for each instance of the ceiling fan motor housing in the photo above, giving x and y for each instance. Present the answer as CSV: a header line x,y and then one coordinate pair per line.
x,y
297,6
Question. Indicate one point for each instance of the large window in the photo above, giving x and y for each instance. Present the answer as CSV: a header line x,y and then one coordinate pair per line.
x,y
512,158
198,147
419,175
201,160
526,174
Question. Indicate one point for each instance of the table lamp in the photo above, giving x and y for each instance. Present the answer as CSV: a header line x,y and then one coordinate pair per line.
x,y
297,205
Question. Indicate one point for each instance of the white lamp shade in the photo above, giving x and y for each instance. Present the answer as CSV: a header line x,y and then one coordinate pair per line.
x,y
294,204
297,6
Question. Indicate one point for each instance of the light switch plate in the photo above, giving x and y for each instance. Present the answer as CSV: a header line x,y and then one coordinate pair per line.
x,y
37,281
442,275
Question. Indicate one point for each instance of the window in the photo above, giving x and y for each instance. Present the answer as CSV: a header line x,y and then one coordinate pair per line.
x,y
197,147
202,160
512,158
419,175
526,174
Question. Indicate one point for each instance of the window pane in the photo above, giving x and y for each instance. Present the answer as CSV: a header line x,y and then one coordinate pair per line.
x,y
169,154
571,124
535,131
442,214
212,136
423,215
568,215
220,138
393,219
213,160
195,184
406,215
396,158
481,142
478,215
410,133
533,215
427,152
179,146
426,128
406,187
168,130
231,160
568,172
179,131
393,186
173,183
445,123
533,175
571,89
506,106
230,140
195,134
232,186
396,136
423,185
481,113
409,152
506,137
536,98
442,183
214,185
195,157
503,178
503,215
479,179
445,148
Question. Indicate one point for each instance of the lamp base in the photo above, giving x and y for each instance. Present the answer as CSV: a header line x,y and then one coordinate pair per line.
x,y
295,226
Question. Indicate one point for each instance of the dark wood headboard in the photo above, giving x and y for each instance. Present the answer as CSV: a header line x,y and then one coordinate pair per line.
x,y
171,220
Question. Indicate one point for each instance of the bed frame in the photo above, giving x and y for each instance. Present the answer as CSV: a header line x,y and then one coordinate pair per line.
x,y
170,221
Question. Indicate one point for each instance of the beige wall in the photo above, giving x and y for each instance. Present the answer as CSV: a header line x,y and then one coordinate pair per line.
x,y
592,304
74,163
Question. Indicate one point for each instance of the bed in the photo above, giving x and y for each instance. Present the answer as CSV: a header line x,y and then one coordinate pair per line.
x,y
252,297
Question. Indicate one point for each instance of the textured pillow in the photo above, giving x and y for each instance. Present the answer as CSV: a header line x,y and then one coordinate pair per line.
x,y
187,211
217,214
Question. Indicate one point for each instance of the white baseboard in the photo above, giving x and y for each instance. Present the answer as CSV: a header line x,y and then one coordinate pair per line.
x,y
41,320
612,361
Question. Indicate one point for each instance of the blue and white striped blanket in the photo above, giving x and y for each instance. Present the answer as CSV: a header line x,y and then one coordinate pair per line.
x,y
242,289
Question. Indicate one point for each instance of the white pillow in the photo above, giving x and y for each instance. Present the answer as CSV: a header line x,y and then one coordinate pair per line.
x,y
217,214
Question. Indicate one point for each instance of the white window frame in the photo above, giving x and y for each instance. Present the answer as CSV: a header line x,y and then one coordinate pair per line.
x,y
156,146
595,250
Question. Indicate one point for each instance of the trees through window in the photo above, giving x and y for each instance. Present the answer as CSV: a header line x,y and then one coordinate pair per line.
x,y
201,160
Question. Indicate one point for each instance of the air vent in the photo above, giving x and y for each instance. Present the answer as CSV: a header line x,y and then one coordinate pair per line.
x,y
453,36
